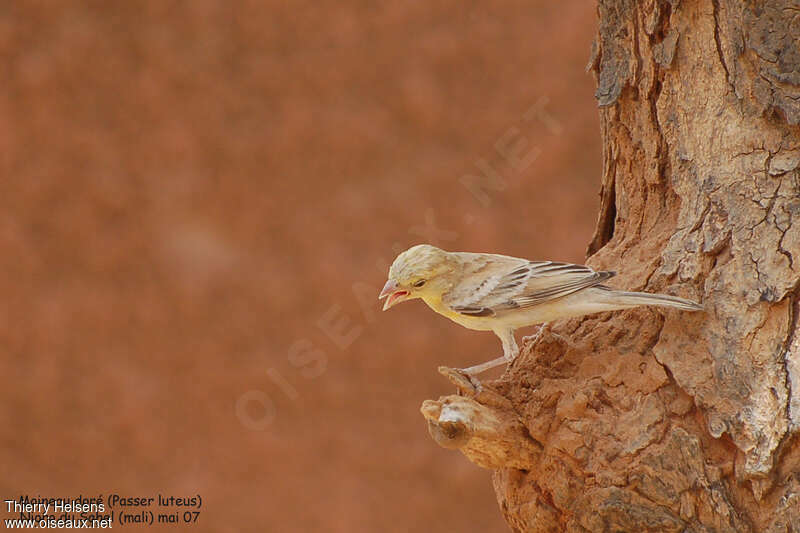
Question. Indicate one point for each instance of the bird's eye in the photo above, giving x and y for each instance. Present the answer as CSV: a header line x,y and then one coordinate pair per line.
x,y
419,283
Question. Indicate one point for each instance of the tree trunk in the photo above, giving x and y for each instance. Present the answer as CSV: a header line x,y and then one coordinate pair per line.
x,y
650,420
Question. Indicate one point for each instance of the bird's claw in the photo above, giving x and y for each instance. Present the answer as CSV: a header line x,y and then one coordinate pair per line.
x,y
469,386
534,339
464,381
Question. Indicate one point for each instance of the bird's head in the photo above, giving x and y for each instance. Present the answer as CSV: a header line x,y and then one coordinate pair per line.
x,y
419,272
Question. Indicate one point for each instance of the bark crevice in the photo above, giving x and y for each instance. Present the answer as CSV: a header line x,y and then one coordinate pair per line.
x,y
718,42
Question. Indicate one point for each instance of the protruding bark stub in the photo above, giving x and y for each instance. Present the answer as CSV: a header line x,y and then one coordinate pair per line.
x,y
489,438
488,432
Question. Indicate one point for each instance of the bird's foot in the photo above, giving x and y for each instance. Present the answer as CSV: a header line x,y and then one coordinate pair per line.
x,y
466,378
468,385
510,357
533,339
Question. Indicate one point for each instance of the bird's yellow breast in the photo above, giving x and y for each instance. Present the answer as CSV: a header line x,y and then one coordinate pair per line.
x,y
471,322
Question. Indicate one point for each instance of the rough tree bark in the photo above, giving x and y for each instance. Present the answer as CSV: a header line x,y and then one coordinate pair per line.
x,y
650,420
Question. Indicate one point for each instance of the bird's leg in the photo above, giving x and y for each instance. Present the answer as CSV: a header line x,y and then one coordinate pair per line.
x,y
471,373
510,352
483,367
510,348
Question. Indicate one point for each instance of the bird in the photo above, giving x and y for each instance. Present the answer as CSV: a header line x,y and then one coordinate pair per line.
x,y
500,293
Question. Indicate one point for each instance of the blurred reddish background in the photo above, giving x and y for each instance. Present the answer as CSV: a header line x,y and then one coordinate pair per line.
x,y
189,188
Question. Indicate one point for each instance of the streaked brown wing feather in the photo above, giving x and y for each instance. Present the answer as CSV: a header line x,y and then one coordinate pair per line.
x,y
493,284
561,285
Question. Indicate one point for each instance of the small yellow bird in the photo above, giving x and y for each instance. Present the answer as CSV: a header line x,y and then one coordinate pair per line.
x,y
498,293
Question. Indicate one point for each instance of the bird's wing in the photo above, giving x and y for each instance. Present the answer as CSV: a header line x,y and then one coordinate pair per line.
x,y
492,284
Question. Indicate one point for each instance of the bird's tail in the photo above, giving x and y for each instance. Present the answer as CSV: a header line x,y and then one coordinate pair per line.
x,y
633,299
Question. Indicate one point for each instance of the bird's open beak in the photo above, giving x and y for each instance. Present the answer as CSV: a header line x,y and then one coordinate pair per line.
x,y
394,293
